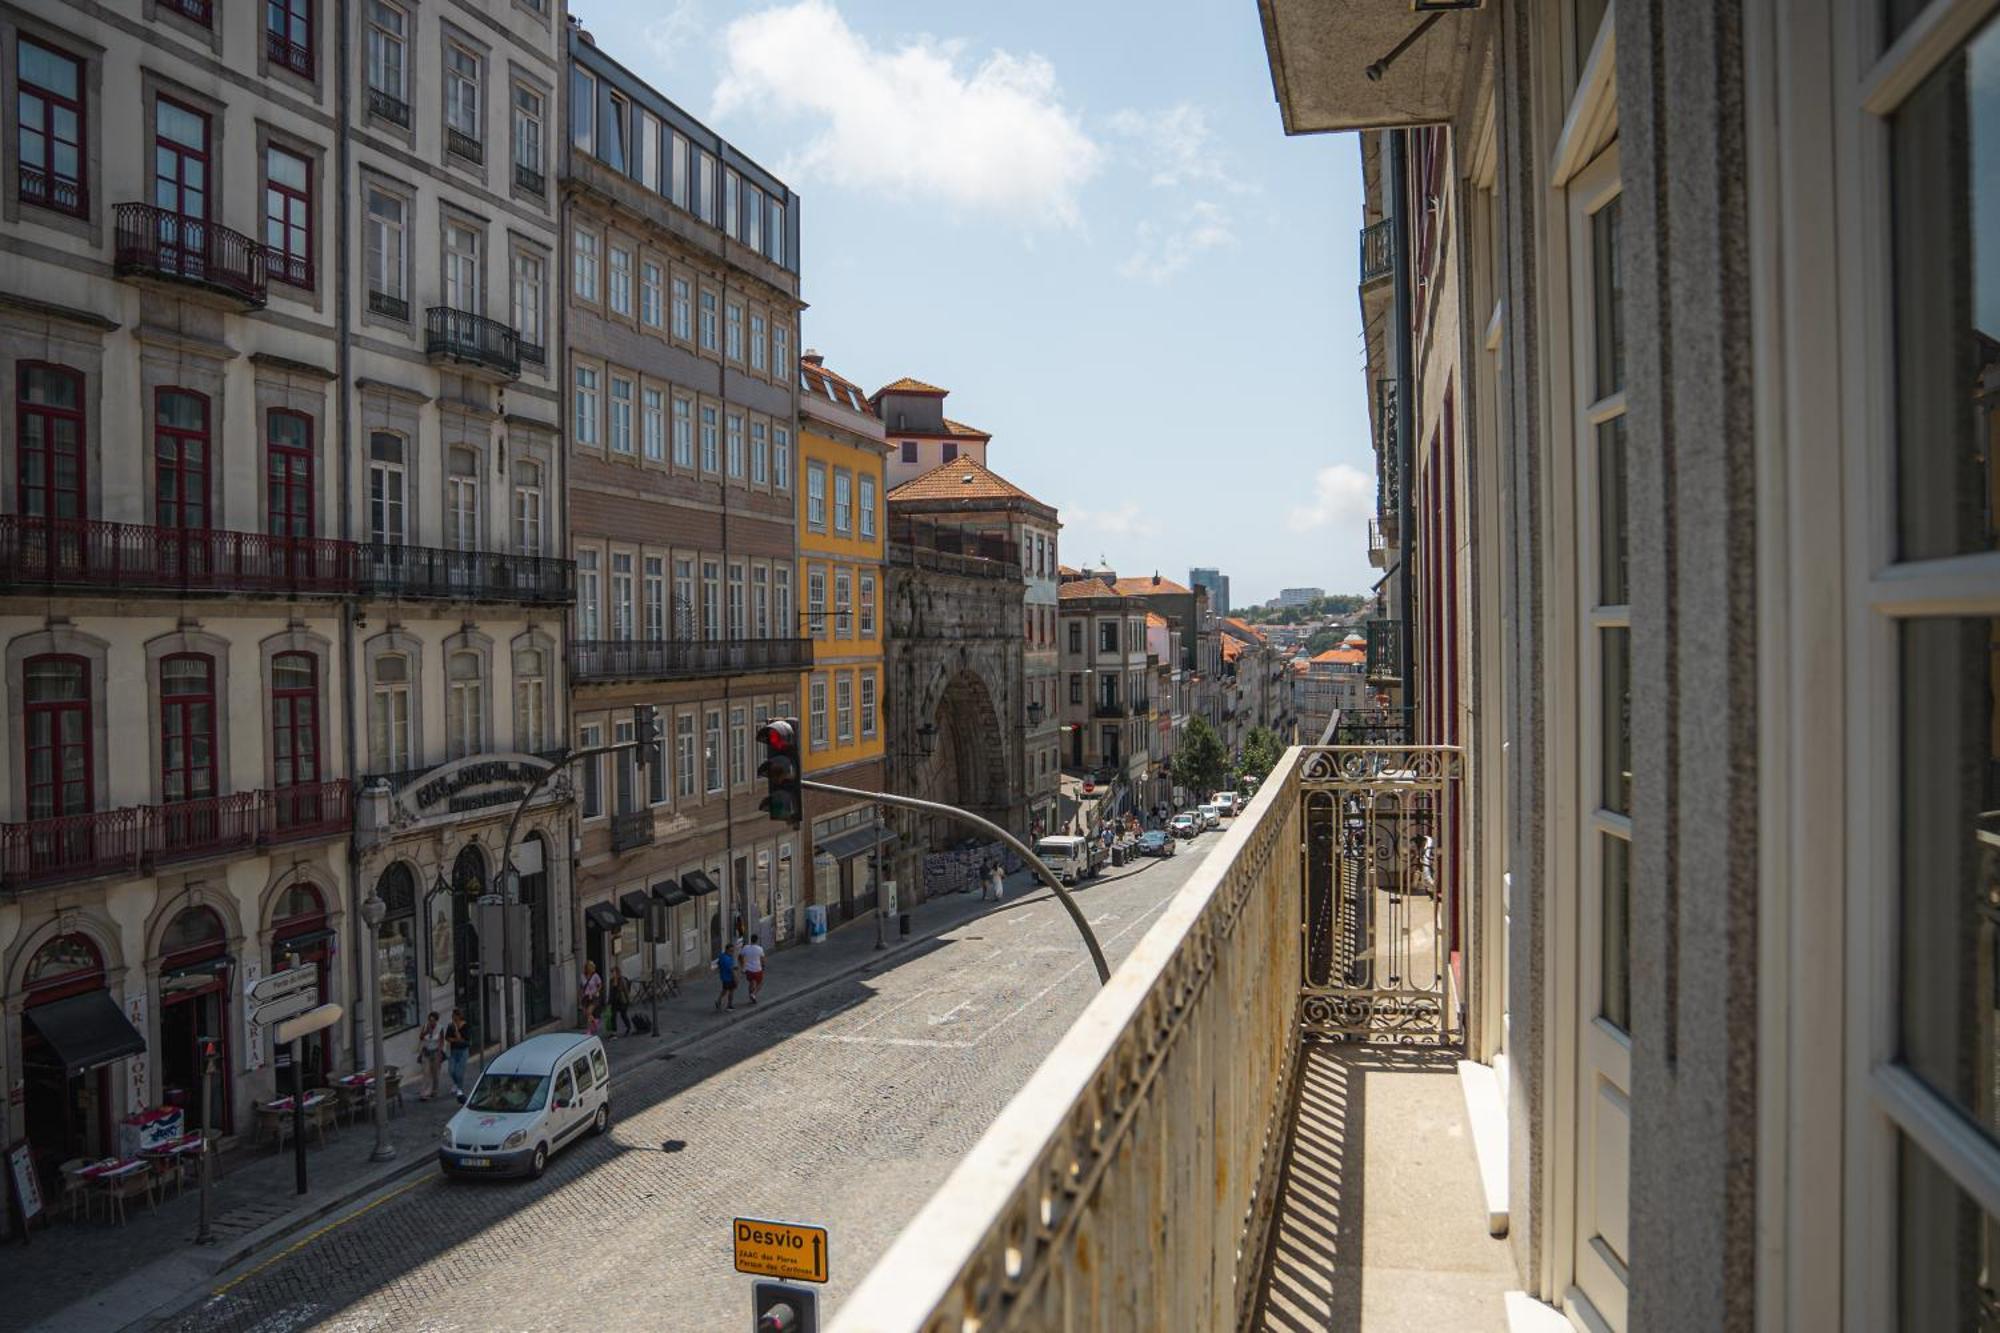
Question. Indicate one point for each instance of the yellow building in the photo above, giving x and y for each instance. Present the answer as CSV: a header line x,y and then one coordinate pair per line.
x,y
842,541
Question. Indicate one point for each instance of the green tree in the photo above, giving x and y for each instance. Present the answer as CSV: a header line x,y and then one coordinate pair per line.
x,y
1261,751
1201,764
1323,639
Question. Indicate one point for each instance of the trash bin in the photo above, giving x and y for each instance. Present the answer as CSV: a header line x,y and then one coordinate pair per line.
x,y
904,922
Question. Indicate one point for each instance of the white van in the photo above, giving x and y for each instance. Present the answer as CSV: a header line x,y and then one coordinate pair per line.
x,y
1226,802
1069,858
531,1100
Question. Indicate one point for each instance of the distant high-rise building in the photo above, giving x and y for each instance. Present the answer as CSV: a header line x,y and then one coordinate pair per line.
x,y
1297,596
1217,584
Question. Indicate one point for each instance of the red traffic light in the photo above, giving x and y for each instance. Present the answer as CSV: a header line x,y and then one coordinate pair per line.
x,y
777,737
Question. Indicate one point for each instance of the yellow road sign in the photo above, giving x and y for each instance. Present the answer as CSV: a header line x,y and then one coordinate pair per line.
x,y
780,1249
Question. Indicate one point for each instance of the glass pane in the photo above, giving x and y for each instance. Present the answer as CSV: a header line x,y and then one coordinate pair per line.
x,y
1945,199
1949,1247
1609,300
1950,860
1613,587
1616,705
1615,932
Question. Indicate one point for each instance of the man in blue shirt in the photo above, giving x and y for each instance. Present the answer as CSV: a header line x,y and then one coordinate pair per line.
x,y
725,968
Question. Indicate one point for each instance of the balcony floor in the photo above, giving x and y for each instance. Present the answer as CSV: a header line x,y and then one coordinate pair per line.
x,y
1381,1221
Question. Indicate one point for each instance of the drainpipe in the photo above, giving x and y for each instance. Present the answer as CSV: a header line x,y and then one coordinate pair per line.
x,y
1400,355
344,378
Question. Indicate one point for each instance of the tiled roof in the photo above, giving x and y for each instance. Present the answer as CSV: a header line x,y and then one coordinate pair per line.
x,y
1231,649
1081,588
970,432
1068,572
961,479
1342,655
1244,625
1146,586
1154,620
908,385
824,383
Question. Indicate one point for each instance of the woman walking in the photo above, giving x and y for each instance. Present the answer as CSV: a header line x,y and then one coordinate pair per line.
x,y
430,1053
593,996
621,1001
458,1044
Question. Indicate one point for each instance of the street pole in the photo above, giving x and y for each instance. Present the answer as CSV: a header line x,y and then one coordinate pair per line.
x,y
1021,849
298,1117
372,912
203,1234
881,904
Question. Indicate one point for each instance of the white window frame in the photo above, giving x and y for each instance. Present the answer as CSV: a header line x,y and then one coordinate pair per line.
x,y
587,408
652,288
653,412
618,288
583,269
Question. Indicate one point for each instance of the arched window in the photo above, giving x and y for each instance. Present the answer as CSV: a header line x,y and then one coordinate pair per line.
x,y
195,930
66,965
187,727
299,901
465,718
389,714
396,949
49,421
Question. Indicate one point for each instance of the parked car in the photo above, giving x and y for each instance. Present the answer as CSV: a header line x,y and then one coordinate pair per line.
x,y
1184,825
532,1099
1210,816
1226,802
1155,842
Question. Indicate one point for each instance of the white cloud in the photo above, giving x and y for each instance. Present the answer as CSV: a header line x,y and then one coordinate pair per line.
x,y
1127,520
1159,252
1176,147
915,122
674,31
1342,495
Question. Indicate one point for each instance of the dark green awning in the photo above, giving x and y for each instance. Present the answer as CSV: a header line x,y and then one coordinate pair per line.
x,y
85,1031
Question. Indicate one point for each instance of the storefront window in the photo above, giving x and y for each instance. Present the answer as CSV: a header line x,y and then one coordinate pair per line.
x,y
396,954
66,961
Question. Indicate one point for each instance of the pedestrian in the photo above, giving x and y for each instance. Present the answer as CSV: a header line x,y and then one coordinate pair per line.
x,y
725,970
430,1054
985,880
999,883
593,996
458,1045
753,966
621,1002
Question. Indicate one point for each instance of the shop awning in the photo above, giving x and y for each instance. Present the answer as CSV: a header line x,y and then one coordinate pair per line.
x,y
853,843
669,891
635,904
605,917
85,1031
696,882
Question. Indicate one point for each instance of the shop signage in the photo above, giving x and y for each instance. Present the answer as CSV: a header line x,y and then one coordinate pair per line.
x,y
780,1249
285,1006
136,1090
280,984
473,784
312,1020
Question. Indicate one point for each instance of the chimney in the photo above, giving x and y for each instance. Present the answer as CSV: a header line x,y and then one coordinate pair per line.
x,y
1156,578
812,357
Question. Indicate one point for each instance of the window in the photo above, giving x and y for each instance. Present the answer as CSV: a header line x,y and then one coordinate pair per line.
x,y
708,306
527,306
386,488
181,182
705,187
684,626
461,499
1075,685
816,495
711,600
288,474
461,102
781,577
816,601
867,506
656,598
678,170
843,501
187,727
733,331
180,459
753,211
760,600
587,592
649,151
389,715
584,273
739,748
711,753
621,415
288,35
56,724
621,596
656,765
288,217
867,606
294,719
682,311
655,404
684,753
529,507
589,737
586,405
611,133
734,436
711,445
582,109
731,186
531,680
651,306
737,630
781,350
774,229
781,457
683,433
816,715
465,705
1076,637
949,451
463,289
385,255
843,707
760,454
843,603
528,139
388,58
757,352
868,705
1107,636
621,281
909,451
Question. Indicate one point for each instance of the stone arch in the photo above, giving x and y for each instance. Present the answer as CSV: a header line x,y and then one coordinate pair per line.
x,y
99,930
281,879
968,763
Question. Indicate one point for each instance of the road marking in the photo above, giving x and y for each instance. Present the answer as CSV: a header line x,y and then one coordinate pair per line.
x,y
848,1039
892,1010
335,1225
1071,971
950,1015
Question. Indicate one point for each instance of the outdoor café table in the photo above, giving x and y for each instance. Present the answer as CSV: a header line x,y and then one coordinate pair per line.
x,y
356,1092
174,1155
120,1178
278,1114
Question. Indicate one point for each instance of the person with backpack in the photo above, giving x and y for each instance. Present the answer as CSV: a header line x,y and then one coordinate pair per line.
x,y
621,1002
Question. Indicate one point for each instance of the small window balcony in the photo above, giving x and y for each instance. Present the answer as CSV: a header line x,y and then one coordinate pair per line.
x,y
287,54
159,245
389,307
1378,252
460,144
528,179
472,342
194,11
683,659
58,194
389,107
430,573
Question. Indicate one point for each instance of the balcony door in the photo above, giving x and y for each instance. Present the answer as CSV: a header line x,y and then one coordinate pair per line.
x,y
181,187
461,514
295,752
461,271
181,448
49,478
56,724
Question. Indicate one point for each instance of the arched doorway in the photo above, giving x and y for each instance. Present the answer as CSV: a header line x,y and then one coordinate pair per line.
x,y
194,1013
67,1109
300,937
537,1002
967,766
468,886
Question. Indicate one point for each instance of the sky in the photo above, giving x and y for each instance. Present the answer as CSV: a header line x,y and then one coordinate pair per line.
x,y
1087,223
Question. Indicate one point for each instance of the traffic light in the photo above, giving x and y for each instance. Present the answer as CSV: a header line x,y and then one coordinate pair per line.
x,y
784,799
646,733
784,1307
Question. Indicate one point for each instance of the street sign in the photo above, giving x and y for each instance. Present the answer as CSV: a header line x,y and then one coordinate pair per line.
x,y
780,1249
312,1020
280,984
285,1006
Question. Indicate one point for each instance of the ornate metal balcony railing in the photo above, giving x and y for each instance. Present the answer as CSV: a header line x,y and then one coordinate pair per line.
x,y
389,107
292,270
1384,658
159,243
85,555
464,145
285,53
63,195
529,179
532,354
134,839
389,307
679,659
632,829
387,570
1372,726
1378,251
1378,545
197,11
468,339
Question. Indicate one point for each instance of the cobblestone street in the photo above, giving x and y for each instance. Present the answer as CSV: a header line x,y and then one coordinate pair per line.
x,y
847,1109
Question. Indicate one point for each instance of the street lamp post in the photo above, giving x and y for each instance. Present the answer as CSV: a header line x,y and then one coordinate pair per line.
x,y
372,912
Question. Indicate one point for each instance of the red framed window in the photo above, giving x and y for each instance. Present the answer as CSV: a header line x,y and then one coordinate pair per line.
x,y
294,719
180,459
288,473
180,164
55,691
49,90
288,217
67,965
187,727
288,34
49,421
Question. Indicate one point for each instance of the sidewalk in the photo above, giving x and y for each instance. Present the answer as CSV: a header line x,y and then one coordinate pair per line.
x,y
83,1276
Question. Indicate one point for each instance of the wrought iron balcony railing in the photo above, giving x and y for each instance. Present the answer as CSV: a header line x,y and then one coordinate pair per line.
x,y
1378,545
159,243
288,54
468,339
1378,251
85,555
292,270
464,145
529,179
1385,651
59,193
197,11
532,354
1109,708
384,569
389,107
1372,726
677,659
389,307
134,839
